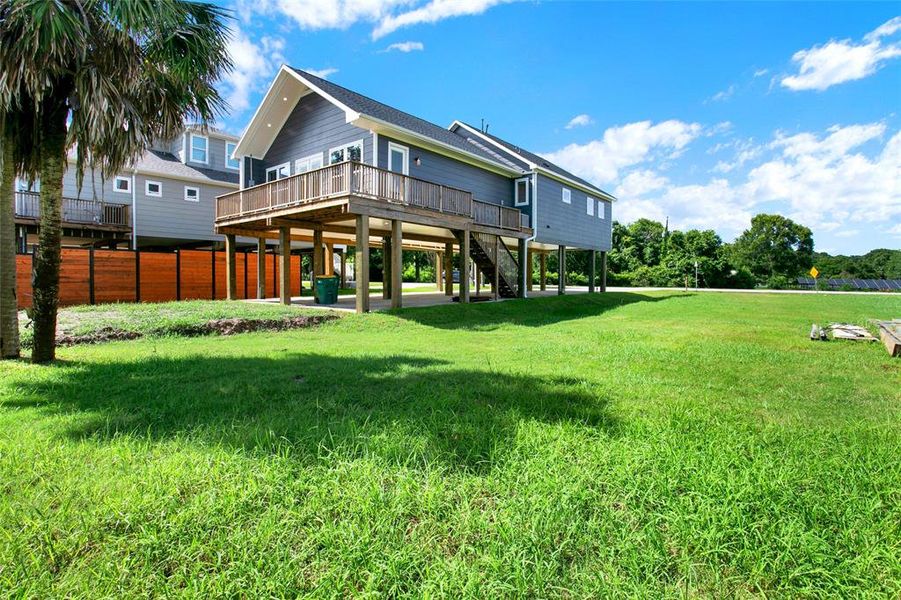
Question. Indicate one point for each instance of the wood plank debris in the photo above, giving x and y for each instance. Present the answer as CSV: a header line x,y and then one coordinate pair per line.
x,y
890,332
847,331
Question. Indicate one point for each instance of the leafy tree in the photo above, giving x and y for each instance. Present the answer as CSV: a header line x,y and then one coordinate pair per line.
x,y
774,247
100,79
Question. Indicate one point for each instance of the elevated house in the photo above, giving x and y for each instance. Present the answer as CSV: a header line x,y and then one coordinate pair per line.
x,y
323,164
166,200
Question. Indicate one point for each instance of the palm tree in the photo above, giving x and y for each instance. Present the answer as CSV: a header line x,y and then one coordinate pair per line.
x,y
103,78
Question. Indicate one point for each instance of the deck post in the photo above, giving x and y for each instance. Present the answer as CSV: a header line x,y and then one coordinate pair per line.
x,y
361,264
592,273
524,265
329,259
231,271
344,268
448,268
397,263
464,267
317,259
542,266
529,269
261,268
284,248
603,271
561,270
439,278
386,267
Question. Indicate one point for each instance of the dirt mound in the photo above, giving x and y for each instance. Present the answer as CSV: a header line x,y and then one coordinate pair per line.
x,y
213,327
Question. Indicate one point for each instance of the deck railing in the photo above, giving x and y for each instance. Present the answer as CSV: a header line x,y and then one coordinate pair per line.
x,y
361,180
76,210
498,252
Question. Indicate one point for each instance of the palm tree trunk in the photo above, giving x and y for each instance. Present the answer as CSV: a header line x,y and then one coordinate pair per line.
x,y
9,311
45,280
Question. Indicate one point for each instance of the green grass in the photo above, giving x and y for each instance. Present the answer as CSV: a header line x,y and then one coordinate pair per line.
x,y
621,444
156,319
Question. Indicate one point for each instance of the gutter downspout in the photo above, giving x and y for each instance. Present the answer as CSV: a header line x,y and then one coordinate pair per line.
x,y
534,223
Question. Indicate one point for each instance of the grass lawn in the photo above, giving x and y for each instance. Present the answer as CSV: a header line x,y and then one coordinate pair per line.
x,y
619,444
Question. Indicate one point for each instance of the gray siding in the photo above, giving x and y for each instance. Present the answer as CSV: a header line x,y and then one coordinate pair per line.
x,y
169,216
215,153
485,185
570,224
315,125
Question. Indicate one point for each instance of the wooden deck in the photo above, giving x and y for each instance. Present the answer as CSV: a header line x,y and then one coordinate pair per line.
x,y
351,188
76,212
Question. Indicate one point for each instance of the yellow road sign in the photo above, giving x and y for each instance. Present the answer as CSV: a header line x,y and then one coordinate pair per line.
x,y
813,272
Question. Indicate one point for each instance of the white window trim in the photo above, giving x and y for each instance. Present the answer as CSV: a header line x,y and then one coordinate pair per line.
x,y
589,206
602,209
278,168
405,168
127,181
517,201
344,147
147,191
206,152
228,156
196,189
567,196
308,159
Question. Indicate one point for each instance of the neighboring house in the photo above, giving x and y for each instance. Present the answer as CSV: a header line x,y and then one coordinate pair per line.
x,y
166,200
323,164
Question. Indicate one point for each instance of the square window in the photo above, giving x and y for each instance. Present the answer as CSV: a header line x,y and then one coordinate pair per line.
x,y
589,206
199,148
352,152
567,196
153,188
231,163
279,172
192,194
308,163
122,185
602,210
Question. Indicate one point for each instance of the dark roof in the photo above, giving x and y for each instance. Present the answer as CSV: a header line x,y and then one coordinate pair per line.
x,y
539,160
367,106
165,163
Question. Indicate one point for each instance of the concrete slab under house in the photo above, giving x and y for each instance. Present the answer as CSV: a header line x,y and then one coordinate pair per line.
x,y
323,165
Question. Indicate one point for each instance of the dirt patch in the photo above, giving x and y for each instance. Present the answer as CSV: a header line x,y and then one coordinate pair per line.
x,y
213,327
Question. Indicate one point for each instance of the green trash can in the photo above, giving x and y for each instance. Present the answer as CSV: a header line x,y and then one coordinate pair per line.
x,y
326,290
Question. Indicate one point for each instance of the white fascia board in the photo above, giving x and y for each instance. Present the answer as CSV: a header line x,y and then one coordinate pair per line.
x,y
405,135
537,168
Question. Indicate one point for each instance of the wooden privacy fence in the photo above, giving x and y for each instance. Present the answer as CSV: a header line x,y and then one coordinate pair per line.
x,y
91,276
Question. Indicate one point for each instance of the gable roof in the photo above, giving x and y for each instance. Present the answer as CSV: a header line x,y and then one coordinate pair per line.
x,y
366,106
531,159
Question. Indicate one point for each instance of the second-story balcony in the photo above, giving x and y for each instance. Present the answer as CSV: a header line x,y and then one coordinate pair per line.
x,y
358,180
78,212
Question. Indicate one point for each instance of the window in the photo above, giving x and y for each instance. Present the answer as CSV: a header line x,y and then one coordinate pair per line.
x,y
398,159
192,194
199,147
24,185
352,151
153,188
521,192
122,185
589,206
602,210
278,172
567,196
231,163
308,163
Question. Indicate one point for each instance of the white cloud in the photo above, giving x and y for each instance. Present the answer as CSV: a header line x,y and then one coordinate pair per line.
x,y
579,121
254,65
723,95
835,62
322,73
405,47
602,160
432,12
761,72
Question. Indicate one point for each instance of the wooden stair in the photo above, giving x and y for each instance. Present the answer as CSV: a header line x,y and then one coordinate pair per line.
x,y
482,248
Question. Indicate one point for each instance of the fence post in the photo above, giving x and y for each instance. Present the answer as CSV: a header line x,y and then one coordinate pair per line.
x,y
245,273
213,278
177,274
137,275
91,275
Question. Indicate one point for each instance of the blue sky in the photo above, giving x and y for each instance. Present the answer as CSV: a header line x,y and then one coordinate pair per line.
x,y
707,113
